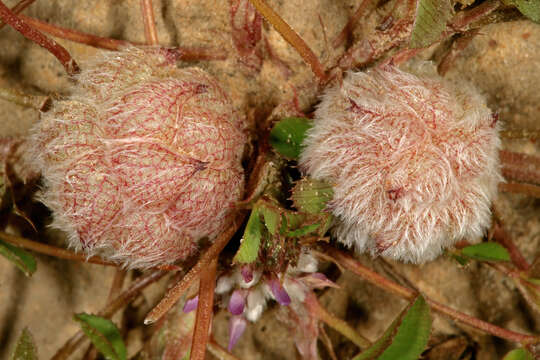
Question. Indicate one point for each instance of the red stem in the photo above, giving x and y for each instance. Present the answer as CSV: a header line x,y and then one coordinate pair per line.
x,y
205,312
349,263
37,37
518,188
520,167
502,237
178,290
150,30
351,24
21,5
51,250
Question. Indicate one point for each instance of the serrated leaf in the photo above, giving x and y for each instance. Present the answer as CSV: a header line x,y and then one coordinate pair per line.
x,y
288,135
291,221
25,348
430,22
22,259
486,251
529,8
104,335
251,241
518,354
406,338
311,196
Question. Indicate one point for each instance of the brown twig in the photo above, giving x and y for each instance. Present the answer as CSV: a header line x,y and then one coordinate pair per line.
x,y
186,54
42,103
18,8
335,323
205,312
520,167
150,30
351,264
37,37
219,352
291,37
51,250
176,292
351,24
109,310
502,237
518,188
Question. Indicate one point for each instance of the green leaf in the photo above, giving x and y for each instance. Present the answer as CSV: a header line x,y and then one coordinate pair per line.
x,y
304,230
534,281
251,241
288,135
22,259
272,218
104,335
407,336
25,348
529,8
290,221
518,354
430,22
311,196
486,251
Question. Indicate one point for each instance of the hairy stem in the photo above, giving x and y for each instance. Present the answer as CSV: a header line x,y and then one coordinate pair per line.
x,y
209,255
291,37
150,31
51,250
351,264
37,37
205,312
109,310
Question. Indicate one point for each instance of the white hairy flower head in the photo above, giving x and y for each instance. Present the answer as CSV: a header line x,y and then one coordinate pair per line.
x,y
142,160
413,159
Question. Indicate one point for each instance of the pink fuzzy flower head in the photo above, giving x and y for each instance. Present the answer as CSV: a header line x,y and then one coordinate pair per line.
x,y
413,160
142,160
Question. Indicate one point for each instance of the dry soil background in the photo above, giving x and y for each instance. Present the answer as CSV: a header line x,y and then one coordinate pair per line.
x,y
503,61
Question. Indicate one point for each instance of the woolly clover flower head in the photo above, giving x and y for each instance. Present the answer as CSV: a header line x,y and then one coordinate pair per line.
x,y
413,159
142,160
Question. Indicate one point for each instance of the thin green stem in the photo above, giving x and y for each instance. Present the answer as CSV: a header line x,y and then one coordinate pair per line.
x,y
335,323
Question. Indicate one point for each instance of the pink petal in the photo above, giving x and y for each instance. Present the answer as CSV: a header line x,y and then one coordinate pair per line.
x,y
247,273
237,325
237,302
279,292
191,304
318,281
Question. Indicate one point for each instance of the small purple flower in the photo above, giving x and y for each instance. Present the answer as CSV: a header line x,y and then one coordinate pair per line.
x,y
237,302
318,281
237,325
191,304
247,274
279,292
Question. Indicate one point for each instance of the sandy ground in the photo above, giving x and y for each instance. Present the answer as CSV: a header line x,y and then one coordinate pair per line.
x,y
503,61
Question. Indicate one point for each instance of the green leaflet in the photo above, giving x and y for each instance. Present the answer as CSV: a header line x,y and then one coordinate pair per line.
x,y
25,348
486,251
251,241
311,196
518,354
288,135
529,8
22,259
406,338
104,335
430,22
